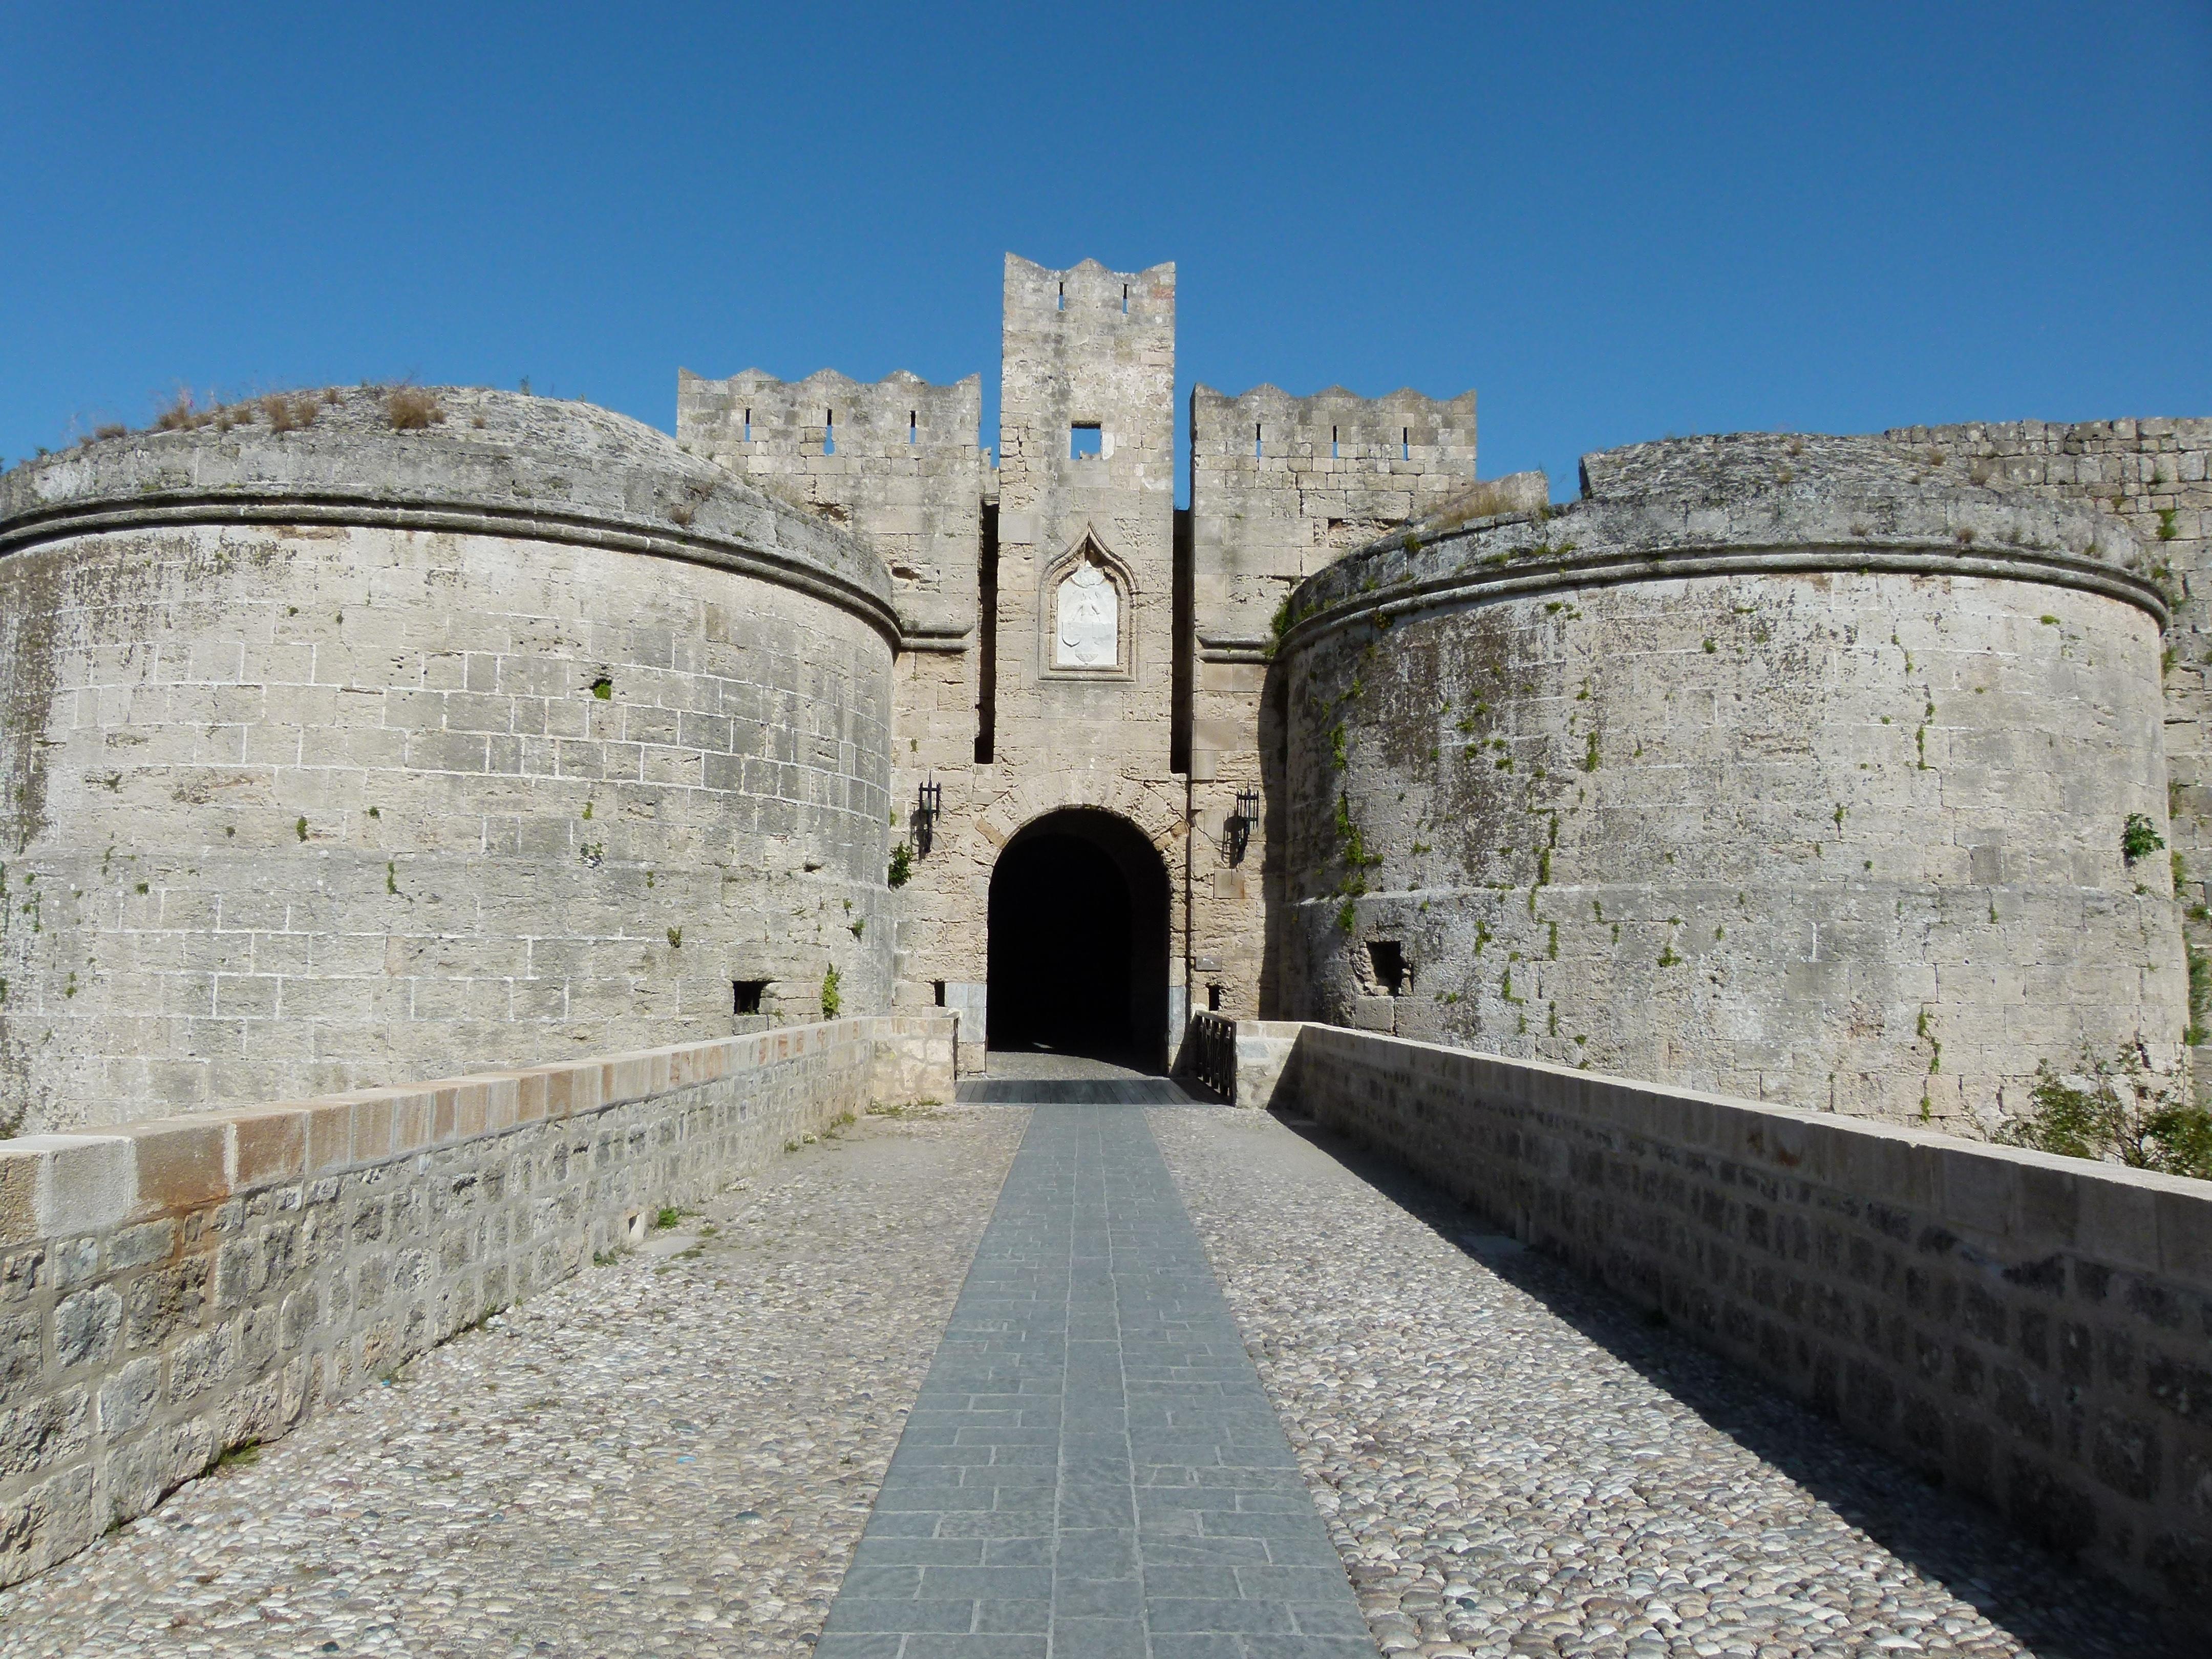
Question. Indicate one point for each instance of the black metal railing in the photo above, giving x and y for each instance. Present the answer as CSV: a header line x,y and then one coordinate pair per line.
x,y
1211,1052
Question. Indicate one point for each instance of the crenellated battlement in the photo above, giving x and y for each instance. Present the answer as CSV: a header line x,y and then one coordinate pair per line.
x,y
827,415
1281,486
1414,434
898,460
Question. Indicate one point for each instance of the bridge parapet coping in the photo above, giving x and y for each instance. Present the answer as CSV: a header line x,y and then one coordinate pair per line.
x,y
170,1289
2033,1332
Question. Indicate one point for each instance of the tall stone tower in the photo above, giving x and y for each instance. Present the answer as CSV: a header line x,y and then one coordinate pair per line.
x,y
1087,520
1033,691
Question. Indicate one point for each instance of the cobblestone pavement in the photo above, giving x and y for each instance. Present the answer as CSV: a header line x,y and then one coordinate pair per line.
x,y
675,1454
1510,1461
1091,1470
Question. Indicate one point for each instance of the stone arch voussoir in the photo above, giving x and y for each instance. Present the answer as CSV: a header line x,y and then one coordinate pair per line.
x,y
1156,810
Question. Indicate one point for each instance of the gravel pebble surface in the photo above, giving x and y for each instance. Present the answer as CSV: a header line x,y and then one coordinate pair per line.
x,y
1512,1461
673,1454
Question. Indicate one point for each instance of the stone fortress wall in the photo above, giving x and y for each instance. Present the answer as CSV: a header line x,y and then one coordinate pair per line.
x,y
900,461
340,754
2155,477
1089,347
1785,767
1281,487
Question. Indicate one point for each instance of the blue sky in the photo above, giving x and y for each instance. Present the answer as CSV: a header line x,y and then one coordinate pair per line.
x,y
1614,222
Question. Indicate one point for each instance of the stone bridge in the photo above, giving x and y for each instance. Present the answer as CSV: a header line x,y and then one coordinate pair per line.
x,y
785,1345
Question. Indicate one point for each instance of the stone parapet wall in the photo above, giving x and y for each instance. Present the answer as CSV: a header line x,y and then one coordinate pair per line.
x,y
2033,1332
1280,486
169,1290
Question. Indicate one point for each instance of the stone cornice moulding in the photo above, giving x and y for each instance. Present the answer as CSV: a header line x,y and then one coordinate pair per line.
x,y
1543,572
276,509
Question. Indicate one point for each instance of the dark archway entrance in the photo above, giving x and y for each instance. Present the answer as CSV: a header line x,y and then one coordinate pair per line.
x,y
1079,941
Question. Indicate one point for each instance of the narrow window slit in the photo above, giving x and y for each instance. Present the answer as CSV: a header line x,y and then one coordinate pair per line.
x,y
829,432
912,435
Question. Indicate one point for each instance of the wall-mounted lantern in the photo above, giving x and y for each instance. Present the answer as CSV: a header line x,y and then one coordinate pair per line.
x,y
929,801
1241,822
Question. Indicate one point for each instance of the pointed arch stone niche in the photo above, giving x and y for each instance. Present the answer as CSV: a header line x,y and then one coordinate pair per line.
x,y
1085,614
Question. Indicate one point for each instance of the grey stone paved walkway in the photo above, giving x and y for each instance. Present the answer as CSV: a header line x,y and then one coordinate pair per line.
x,y
1091,1470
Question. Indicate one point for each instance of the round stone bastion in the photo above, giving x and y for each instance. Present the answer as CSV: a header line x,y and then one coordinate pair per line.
x,y
1795,769
363,737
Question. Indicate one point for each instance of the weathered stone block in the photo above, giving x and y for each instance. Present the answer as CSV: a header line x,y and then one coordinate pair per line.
x,y
160,1303
90,1181
23,1170
43,1431
140,1245
47,1522
128,1398
22,1356
372,1125
330,1136
268,1146
86,1327
183,1164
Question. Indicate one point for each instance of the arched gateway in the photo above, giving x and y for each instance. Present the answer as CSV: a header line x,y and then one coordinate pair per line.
x,y
1078,940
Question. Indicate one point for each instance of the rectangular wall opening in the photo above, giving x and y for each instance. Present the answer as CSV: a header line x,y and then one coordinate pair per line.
x,y
913,429
1086,441
745,995
829,432
1388,957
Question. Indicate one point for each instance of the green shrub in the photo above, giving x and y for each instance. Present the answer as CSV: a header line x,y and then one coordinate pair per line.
x,y
830,999
2116,1111
902,869
2139,838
